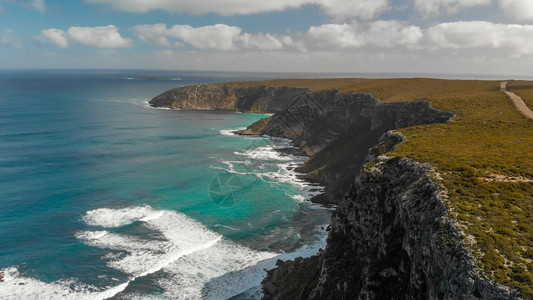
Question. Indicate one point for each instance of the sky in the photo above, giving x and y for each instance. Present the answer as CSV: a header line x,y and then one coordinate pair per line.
x,y
352,36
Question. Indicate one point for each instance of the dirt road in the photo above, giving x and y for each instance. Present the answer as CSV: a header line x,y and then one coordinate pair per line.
x,y
518,102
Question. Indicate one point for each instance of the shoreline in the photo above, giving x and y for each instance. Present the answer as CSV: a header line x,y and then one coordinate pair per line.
x,y
337,127
307,191
299,158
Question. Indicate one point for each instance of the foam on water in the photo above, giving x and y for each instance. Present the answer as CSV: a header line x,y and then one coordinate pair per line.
x,y
183,257
192,261
264,153
17,286
261,158
224,270
230,132
182,236
109,218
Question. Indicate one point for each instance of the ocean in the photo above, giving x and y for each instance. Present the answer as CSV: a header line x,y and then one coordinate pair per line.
x,y
103,197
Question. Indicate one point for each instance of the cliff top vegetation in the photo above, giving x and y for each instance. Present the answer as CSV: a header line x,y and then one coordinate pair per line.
x,y
483,157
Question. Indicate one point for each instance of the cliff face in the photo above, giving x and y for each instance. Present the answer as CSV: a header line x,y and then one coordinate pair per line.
x,y
337,130
260,99
392,238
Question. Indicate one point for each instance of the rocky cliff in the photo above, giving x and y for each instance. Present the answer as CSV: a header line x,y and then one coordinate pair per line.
x,y
391,236
260,99
336,130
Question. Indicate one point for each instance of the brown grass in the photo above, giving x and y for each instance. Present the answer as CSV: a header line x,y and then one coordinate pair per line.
x,y
312,84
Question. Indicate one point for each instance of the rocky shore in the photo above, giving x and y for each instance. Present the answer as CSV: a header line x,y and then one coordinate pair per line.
x,y
391,236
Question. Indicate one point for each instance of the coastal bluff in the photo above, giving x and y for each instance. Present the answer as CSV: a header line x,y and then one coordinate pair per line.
x,y
392,235
261,99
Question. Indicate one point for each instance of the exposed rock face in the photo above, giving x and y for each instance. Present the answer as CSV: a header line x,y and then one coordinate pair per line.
x,y
260,99
293,279
392,238
337,130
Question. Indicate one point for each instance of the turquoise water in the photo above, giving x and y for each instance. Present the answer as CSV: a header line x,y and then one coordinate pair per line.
x,y
102,196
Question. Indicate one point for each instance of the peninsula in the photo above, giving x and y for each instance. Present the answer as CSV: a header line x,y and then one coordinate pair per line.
x,y
432,180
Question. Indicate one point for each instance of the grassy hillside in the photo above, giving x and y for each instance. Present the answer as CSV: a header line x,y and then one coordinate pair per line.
x,y
483,158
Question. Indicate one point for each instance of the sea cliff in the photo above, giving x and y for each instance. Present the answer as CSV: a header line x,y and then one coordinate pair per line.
x,y
334,129
391,236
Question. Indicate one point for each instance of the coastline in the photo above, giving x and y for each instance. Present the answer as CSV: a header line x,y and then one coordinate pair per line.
x,y
276,150
337,129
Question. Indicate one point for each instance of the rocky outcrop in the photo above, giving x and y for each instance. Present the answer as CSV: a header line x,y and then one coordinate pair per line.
x,y
292,279
261,99
392,238
336,130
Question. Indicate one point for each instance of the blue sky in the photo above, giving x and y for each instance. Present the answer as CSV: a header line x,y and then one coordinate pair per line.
x,y
427,36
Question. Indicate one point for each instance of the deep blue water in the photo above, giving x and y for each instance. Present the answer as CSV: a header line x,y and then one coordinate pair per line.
x,y
102,196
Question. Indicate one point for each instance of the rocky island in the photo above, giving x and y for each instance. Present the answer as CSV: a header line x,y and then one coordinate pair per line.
x,y
432,179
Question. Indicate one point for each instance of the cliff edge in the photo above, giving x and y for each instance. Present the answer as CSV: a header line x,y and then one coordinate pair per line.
x,y
391,236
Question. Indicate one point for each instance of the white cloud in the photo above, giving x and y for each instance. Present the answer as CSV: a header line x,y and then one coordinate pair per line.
x,y
384,34
266,42
391,34
519,9
56,36
337,9
152,33
346,9
430,8
217,37
101,37
334,36
481,35
8,38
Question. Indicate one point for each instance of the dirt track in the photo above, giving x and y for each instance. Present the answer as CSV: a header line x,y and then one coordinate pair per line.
x,y
518,102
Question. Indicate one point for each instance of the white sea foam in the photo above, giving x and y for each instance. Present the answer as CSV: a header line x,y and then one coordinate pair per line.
x,y
196,262
107,217
265,153
219,272
91,235
260,158
230,132
182,235
17,286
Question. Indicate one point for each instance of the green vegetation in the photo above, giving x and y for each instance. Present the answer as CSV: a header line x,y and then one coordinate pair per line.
x,y
484,158
312,84
489,137
524,89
